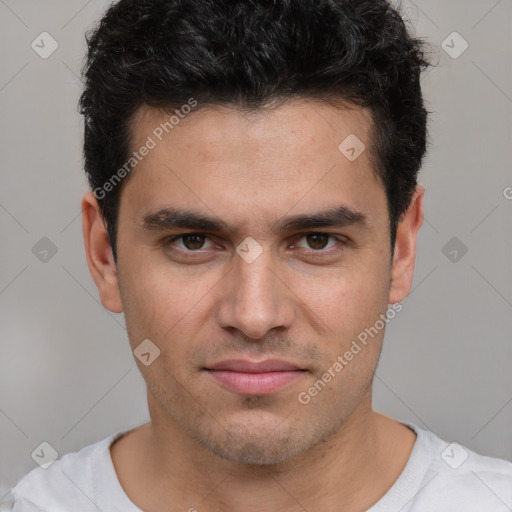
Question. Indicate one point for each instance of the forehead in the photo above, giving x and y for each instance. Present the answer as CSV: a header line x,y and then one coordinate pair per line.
x,y
266,160
298,127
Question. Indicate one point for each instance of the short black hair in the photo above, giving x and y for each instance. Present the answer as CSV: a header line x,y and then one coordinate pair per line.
x,y
254,53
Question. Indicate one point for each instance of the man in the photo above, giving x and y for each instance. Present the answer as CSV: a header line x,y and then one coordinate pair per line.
x,y
254,211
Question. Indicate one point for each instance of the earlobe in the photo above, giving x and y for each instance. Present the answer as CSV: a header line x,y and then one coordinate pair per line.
x,y
404,256
99,256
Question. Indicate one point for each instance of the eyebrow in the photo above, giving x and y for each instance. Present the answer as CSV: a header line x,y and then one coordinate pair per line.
x,y
171,218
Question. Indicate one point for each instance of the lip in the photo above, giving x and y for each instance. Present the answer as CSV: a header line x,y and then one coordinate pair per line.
x,y
245,366
255,377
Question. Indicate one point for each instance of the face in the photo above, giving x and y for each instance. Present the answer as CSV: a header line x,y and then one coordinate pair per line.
x,y
252,253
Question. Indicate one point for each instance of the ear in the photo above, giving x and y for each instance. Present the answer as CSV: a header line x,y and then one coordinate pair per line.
x,y
404,255
99,254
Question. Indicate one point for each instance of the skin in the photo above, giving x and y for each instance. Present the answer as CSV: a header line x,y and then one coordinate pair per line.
x,y
207,447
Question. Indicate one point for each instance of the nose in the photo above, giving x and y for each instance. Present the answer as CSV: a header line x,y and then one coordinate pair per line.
x,y
255,298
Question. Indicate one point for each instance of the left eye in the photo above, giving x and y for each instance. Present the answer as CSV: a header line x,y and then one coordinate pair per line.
x,y
318,241
191,242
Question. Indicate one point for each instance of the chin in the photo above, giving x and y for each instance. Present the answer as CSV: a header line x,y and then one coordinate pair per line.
x,y
257,452
261,443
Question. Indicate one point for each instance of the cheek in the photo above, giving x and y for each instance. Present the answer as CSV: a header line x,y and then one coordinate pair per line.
x,y
345,303
151,293
163,310
353,342
165,305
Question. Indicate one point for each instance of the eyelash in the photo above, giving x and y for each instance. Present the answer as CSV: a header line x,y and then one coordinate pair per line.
x,y
341,241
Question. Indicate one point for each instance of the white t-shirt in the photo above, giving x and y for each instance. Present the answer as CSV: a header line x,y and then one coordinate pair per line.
x,y
438,477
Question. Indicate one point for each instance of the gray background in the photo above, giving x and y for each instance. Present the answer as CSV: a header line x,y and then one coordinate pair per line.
x,y
67,375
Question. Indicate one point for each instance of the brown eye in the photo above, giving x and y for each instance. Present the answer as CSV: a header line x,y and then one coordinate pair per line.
x,y
189,242
317,241
193,242
320,244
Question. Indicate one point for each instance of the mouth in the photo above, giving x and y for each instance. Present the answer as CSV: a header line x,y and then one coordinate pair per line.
x,y
255,377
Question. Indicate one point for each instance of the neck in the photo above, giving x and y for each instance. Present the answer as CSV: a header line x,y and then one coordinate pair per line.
x,y
349,470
